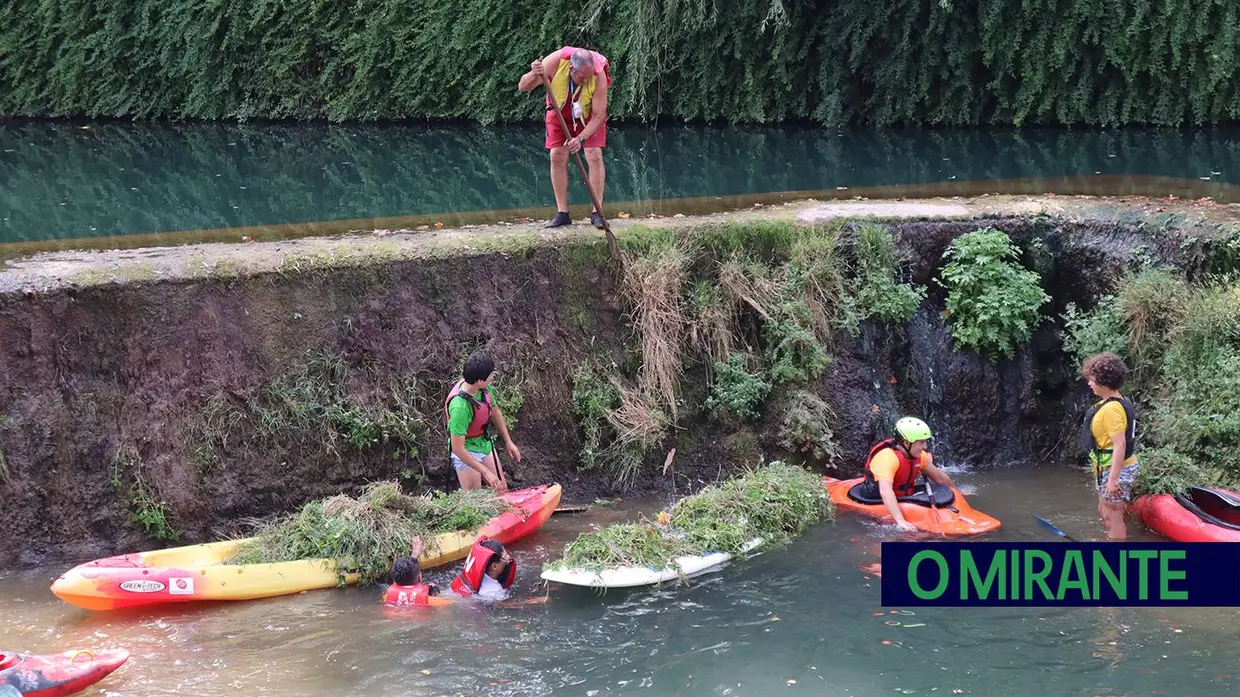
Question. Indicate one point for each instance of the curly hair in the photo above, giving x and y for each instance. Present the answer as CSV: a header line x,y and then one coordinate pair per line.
x,y
1106,369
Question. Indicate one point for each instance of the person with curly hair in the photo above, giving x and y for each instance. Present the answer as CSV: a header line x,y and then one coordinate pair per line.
x,y
1109,434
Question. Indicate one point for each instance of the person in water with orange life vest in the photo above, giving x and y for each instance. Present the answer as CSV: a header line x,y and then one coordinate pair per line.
x,y
470,411
407,588
893,465
580,79
1109,435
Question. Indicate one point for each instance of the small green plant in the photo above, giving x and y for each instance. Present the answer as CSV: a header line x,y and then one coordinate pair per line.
x,y
806,427
151,512
993,302
593,401
793,351
735,392
879,293
1086,334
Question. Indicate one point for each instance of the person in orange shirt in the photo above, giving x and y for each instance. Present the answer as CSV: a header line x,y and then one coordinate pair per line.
x,y
893,465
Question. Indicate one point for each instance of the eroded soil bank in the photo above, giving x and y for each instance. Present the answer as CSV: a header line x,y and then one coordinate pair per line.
x,y
160,396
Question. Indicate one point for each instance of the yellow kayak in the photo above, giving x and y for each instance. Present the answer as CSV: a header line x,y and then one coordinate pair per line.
x,y
198,572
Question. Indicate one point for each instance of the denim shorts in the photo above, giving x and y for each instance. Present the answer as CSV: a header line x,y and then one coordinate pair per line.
x,y
459,465
1127,476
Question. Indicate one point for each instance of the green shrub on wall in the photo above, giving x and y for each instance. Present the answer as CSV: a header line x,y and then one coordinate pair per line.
x,y
992,301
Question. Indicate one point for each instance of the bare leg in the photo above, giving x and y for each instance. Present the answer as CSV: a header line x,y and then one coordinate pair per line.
x,y
598,173
469,478
1117,528
559,177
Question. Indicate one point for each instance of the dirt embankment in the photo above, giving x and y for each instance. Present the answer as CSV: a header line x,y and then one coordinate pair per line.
x,y
158,395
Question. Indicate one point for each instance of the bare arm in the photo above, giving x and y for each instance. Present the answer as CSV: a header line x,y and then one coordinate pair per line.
x,y
533,78
937,475
1118,455
893,506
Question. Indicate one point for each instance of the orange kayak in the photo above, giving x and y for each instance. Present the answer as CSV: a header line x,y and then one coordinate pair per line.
x,y
951,514
57,674
200,572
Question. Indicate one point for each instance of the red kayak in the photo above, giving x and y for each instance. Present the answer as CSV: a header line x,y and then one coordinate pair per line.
x,y
1200,515
57,674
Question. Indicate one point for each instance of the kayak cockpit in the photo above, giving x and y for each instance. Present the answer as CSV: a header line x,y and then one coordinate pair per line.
x,y
1212,505
943,497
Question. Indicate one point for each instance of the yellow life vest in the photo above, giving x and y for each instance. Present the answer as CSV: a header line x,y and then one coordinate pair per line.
x,y
561,83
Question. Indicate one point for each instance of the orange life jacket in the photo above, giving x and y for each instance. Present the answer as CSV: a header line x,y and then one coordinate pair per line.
x,y
906,475
469,581
405,596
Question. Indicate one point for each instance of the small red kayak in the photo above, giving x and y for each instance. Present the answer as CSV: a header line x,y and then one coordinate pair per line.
x,y
1199,515
57,674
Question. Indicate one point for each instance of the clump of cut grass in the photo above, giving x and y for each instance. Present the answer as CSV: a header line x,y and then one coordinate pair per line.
x,y
654,283
817,259
774,502
639,424
366,533
713,319
749,282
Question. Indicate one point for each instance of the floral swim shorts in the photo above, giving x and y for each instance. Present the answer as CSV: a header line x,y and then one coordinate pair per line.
x,y
1127,476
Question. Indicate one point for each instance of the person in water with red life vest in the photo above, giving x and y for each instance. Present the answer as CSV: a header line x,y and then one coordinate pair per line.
x,y
407,589
489,572
893,465
1109,435
580,79
470,411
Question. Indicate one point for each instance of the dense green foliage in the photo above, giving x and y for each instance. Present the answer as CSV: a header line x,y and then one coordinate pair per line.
x,y
908,61
992,301
1181,343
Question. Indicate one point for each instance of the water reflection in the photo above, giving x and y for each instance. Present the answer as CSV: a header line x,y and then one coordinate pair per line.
x,y
61,181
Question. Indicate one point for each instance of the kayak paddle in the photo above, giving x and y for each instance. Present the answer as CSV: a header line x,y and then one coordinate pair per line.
x,y
1051,526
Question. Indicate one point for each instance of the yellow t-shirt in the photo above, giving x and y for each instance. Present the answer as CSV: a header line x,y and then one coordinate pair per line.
x,y
885,464
1107,420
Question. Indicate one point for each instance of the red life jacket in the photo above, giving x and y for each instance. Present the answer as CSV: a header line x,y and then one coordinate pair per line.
x,y
405,596
469,581
481,409
906,475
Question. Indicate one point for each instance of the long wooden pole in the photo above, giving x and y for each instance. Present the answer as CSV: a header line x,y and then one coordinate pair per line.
x,y
598,206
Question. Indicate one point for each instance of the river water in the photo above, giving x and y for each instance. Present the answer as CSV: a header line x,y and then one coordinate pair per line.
x,y
66,185
808,613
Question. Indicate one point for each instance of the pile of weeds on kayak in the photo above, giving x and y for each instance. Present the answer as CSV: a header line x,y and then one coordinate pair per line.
x,y
774,502
366,533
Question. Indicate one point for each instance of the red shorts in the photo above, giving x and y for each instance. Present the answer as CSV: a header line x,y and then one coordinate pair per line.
x,y
555,133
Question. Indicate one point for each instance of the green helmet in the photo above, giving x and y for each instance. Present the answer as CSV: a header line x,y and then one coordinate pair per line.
x,y
912,429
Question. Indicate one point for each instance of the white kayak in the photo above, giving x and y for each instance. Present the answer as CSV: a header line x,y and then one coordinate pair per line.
x,y
631,576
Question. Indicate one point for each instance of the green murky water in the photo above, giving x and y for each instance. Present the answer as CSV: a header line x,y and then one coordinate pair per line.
x,y
807,613
65,182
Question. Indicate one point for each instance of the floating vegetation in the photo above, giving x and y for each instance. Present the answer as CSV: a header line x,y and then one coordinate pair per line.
x,y
774,502
366,533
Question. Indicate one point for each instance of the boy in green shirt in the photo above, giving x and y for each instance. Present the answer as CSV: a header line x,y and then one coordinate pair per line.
x,y
470,412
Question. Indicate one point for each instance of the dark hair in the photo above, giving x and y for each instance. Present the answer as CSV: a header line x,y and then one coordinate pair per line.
x,y
495,546
405,571
1106,369
477,367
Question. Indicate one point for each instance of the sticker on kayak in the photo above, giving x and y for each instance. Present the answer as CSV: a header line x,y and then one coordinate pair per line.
x,y
180,586
142,586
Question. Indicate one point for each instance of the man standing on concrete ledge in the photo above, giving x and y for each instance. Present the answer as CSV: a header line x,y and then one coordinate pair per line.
x,y
582,97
